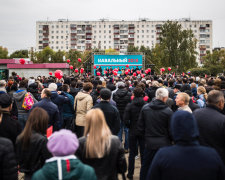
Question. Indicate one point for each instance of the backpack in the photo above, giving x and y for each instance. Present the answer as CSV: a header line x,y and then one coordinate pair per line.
x,y
28,101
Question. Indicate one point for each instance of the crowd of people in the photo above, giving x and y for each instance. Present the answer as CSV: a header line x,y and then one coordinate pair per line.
x,y
81,127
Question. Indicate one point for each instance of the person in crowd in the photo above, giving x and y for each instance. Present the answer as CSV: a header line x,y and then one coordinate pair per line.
x,y
64,165
211,123
182,101
192,102
202,96
73,89
59,100
153,89
110,84
34,90
100,149
8,166
19,96
122,97
186,159
83,103
49,107
9,127
68,110
2,86
185,86
111,113
153,125
131,115
13,89
31,150
194,89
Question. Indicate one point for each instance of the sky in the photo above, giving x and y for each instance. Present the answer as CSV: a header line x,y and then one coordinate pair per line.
x,y
18,17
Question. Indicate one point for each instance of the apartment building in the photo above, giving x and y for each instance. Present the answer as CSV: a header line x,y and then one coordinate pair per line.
x,y
105,34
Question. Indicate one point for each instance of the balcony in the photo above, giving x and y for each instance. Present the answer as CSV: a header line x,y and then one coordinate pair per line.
x,y
45,45
73,34
73,39
46,34
202,54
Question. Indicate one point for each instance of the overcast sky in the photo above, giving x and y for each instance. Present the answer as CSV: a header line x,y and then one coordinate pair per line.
x,y
18,17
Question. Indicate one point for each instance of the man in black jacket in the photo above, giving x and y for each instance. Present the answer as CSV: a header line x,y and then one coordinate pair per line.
x,y
111,113
153,125
211,123
130,118
122,97
50,107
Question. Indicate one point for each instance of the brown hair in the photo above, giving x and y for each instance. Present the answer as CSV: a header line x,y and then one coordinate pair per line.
x,y
87,86
97,133
38,122
202,90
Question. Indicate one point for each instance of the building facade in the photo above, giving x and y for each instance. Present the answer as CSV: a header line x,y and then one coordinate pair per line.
x,y
105,34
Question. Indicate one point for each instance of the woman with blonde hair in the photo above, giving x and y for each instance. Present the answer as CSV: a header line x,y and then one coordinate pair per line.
x,y
100,149
202,96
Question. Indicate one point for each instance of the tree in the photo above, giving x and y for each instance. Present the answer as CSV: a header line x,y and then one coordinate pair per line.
x,y
131,48
217,57
44,56
58,56
73,55
3,53
177,46
111,51
20,54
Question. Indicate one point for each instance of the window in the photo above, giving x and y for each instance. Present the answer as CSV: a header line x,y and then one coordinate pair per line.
x,y
57,37
143,31
143,36
99,31
137,36
52,26
137,31
152,31
137,41
109,42
61,47
104,36
66,26
61,42
99,26
57,32
207,25
40,31
147,25
190,26
52,47
52,32
52,42
152,36
61,31
57,42
202,52
104,26
52,37
147,36
138,26
147,31
109,31
67,47
104,47
57,27
143,26
61,37
147,42
95,32
104,42
109,36
99,36
109,26
57,47
104,31
40,37
61,26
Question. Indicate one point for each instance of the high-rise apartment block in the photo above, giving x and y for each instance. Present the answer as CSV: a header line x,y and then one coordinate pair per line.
x,y
105,34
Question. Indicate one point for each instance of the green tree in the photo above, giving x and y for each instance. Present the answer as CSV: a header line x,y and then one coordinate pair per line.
x,y
44,56
58,56
217,57
177,46
20,54
3,53
73,55
131,48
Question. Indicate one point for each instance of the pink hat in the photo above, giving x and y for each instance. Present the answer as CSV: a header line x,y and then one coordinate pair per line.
x,y
63,143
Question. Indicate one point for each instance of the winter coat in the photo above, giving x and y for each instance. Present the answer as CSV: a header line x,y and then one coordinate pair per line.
x,y
33,88
185,87
33,157
52,110
122,97
8,166
153,124
111,86
131,114
68,110
110,165
9,128
211,124
112,116
19,97
192,105
59,100
187,159
71,168
151,92
83,103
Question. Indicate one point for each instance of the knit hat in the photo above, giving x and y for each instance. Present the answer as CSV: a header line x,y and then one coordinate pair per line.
x,y
52,87
121,84
63,143
5,100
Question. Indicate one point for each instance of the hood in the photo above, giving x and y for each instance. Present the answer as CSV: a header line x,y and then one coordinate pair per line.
x,y
157,104
54,94
81,95
138,101
184,127
19,95
121,92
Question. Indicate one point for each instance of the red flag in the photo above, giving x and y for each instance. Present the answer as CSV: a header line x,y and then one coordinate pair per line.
x,y
205,75
183,74
49,131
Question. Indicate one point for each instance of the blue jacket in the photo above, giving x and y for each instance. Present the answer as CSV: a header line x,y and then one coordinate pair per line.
x,y
186,160
52,111
68,110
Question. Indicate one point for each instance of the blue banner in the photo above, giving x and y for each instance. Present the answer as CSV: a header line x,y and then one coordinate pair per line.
x,y
117,60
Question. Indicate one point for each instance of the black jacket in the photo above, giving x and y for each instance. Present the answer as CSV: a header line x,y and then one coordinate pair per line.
x,y
153,124
9,128
211,124
74,91
110,165
131,114
185,87
122,97
33,157
193,106
112,116
111,86
52,110
8,166
187,159
151,92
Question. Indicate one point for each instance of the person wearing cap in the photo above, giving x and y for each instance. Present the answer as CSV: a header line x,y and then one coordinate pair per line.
x,y
122,97
186,159
64,165
9,127
111,113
